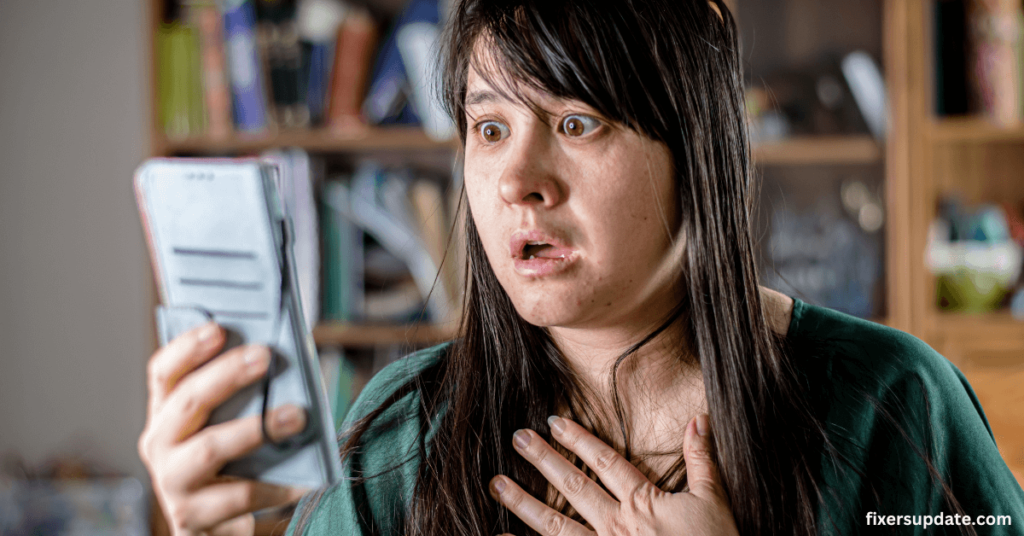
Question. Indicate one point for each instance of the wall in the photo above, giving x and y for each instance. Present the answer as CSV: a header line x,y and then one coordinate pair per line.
x,y
74,287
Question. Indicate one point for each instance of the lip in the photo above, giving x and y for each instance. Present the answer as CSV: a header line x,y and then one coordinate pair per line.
x,y
558,260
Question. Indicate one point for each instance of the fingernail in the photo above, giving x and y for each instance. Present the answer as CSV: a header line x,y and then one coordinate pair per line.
x,y
257,356
289,420
702,425
557,424
208,331
521,438
498,485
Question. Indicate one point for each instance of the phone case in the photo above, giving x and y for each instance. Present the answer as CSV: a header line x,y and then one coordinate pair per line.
x,y
221,250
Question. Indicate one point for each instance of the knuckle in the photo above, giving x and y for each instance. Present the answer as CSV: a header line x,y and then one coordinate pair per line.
x,y
190,404
554,524
205,453
177,515
248,495
156,371
513,499
642,498
541,454
605,460
615,526
574,483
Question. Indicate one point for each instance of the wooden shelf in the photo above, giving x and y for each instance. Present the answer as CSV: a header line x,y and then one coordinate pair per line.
x,y
853,149
322,140
974,129
995,338
342,334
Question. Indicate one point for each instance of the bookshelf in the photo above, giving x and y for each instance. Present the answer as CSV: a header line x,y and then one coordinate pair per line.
x,y
364,335
816,150
322,140
922,157
973,130
979,160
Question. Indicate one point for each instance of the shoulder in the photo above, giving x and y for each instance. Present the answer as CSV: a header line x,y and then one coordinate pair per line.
x,y
380,473
393,378
873,356
898,414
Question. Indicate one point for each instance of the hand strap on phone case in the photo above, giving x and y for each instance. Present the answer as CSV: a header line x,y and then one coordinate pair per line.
x,y
300,438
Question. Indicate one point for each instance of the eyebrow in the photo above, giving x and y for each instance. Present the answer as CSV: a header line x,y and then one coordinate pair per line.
x,y
481,97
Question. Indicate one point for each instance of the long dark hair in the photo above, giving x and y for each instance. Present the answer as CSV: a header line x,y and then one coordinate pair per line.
x,y
670,70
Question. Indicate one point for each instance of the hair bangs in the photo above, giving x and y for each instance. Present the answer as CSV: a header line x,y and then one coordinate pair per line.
x,y
569,50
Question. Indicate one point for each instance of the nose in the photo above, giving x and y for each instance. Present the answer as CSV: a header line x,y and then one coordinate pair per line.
x,y
529,177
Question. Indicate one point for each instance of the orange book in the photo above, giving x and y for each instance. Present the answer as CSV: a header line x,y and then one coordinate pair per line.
x,y
353,58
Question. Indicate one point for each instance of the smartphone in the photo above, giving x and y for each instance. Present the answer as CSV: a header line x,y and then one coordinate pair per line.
x,y
221,248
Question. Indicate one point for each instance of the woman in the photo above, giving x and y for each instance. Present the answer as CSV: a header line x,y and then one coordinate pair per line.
x,y
620,371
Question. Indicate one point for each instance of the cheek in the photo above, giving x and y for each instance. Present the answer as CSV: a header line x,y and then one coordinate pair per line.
x,y
482,200
634,218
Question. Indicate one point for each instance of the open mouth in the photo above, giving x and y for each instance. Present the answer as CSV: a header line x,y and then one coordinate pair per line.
x,y
539,254
533,250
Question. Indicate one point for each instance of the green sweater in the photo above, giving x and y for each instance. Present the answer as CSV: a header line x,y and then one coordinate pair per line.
x,y
863,378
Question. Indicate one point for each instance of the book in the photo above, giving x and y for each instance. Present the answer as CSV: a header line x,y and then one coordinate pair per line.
x,y
282,55
343,281
180,87
247,86
995,29
205,16
430,217
389,100
372,205
417,43
353,54
317,22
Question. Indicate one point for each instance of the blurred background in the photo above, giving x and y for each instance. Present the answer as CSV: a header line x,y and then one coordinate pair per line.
x,y
888,134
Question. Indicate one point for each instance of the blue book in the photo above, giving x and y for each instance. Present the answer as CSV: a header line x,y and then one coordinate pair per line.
x,y
389,99
248,94
319,67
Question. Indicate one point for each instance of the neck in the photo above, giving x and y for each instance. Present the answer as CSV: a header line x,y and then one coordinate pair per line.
x,y
661,370
662,380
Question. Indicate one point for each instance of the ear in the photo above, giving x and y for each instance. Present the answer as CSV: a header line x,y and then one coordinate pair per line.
x,y
714,7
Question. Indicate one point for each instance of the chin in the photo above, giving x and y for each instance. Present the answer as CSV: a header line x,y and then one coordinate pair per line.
x,y
548,309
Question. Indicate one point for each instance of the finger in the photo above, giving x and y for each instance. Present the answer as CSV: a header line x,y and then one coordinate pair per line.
x,y
204,454
179,357
188,407
702,474
539,516
592,502
615,472
222,501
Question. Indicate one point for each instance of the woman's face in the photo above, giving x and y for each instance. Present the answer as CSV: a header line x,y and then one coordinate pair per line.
x,y
577,215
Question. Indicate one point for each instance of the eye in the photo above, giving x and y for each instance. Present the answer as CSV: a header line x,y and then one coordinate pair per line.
x,y
493,131
575,126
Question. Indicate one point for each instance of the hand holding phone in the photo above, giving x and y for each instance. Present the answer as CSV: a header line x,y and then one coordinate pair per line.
x,y
221,248
186,379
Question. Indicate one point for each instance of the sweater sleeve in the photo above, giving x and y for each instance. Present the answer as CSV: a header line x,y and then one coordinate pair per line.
x,y
379,477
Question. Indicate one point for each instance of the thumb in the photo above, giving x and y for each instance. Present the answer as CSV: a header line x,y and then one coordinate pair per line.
x,y
701,471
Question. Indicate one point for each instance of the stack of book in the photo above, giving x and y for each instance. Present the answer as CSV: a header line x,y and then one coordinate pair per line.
x,y
385,239
254,66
